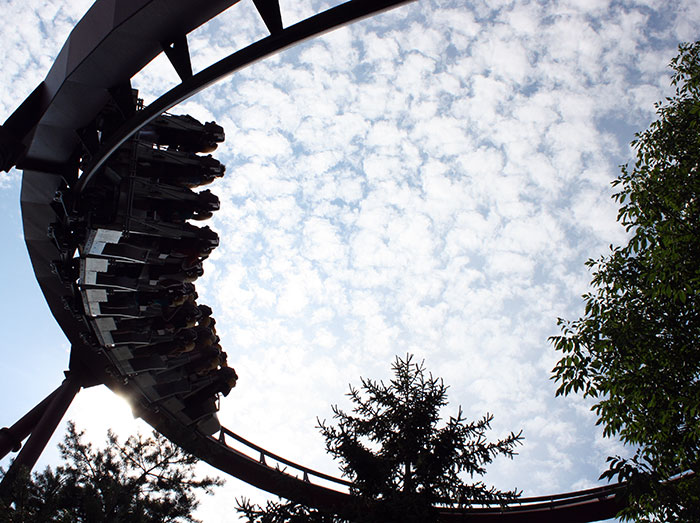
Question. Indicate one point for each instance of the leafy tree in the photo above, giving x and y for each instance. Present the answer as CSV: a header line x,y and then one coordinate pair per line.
x,y
400,461
144,480
636,350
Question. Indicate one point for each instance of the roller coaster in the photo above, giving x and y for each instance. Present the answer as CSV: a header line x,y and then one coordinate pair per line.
x,y
108,193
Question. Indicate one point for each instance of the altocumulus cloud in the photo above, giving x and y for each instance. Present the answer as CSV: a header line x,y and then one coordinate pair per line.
x,y
431,181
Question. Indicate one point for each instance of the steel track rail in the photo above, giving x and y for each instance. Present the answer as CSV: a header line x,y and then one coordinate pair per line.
x,y
316,25
583,505
114,40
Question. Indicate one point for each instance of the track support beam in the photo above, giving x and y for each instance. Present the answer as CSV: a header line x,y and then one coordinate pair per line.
x,y
40,423
11,438
270,12
178,52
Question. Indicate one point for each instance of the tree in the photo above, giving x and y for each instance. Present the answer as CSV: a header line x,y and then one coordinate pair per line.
x,y
142,480
636,350
400,461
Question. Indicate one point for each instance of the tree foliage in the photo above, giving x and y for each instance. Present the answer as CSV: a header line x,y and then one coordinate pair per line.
x,y
636,350
143,480
400,460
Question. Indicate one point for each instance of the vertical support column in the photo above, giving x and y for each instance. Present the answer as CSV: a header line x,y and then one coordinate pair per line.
x,y
53,412
178,52
270,12
11,437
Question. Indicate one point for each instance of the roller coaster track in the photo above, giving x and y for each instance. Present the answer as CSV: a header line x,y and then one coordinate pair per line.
x,y
52,138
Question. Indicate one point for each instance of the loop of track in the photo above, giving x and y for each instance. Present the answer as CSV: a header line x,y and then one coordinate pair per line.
x,y
49,126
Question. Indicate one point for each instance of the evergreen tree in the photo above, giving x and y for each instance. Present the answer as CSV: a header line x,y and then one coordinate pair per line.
x,y
400,460
145,480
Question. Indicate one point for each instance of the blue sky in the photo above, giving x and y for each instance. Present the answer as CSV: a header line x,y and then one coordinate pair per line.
x,y
427,181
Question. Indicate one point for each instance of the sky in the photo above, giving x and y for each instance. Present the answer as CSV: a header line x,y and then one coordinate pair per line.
x,y
429,181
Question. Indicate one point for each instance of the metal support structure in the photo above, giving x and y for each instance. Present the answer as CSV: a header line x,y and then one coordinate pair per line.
x,y
41,421
315,25
11,438
178,52
270,12
114,41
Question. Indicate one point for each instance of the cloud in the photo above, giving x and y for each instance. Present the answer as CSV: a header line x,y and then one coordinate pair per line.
x,y
430,180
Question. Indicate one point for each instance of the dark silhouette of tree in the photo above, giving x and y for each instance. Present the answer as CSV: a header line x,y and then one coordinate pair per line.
x,y
143,480
636,350
401,462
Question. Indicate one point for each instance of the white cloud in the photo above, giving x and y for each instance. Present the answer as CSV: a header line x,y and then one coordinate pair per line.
x,y
429,180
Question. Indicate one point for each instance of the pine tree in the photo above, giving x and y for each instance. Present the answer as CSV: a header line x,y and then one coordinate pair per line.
x,y
400,460
143,480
